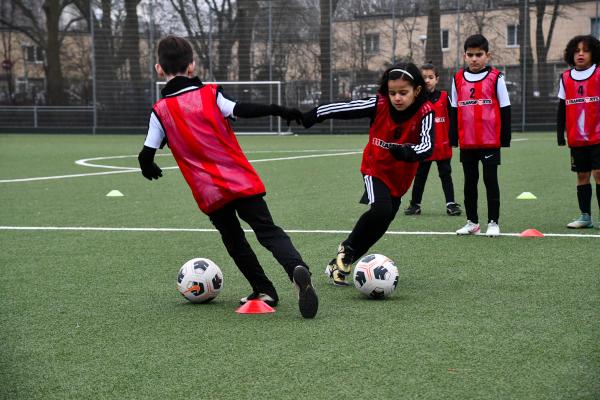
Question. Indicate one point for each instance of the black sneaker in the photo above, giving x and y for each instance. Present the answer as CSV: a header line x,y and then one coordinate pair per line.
x,y
453,209
308,301
414,209
270,299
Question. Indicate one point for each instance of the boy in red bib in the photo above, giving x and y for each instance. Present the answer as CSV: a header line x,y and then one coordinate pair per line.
x,y
442,151
579,114
192,118
401,135
480,125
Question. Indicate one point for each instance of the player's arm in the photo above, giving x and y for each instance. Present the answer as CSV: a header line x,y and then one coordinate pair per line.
x,y
353,109
154,139
232,109
417,152
505,112
453,114
561,115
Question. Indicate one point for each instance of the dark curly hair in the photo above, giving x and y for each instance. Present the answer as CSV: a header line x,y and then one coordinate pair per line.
x,y
592,44
399,71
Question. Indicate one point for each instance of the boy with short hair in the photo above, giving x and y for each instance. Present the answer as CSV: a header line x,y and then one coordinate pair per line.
x,y
192,118
480,125
579,113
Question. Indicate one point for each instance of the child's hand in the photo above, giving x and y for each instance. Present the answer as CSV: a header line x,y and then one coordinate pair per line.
x,y
149,168
309,118
288,114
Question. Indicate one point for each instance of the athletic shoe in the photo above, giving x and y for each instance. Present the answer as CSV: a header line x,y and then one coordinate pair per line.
x,y
337,278
453,209
344,259
584,221
414,209
308,302
269,299
493,229
470,228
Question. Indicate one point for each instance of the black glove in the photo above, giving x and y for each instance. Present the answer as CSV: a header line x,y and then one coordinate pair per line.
x,y
309,118
562,141
149,168
401,152
288,114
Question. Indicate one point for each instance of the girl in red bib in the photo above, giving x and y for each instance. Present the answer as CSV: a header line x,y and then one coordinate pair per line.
x,y
579,114
401,135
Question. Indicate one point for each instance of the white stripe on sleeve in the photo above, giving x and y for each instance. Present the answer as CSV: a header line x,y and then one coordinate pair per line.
x,y
353,105
426,124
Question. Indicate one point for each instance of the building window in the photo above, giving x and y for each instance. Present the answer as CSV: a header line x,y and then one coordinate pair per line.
x,y
371,42
445,39
33,54
596,27
511,36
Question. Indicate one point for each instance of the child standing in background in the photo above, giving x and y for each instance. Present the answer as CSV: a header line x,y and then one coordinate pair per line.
x,y
579,114
481,109
442,151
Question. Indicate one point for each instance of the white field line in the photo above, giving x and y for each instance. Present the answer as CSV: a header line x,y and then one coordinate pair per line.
x,y
314,231
123,170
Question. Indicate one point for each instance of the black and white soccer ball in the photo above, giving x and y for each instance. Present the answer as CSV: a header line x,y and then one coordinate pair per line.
x,y
376,276
199,280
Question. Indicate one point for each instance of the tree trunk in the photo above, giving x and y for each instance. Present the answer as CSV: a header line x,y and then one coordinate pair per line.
x,y
525,56
325,49
133,97
433,47
54,77
545,78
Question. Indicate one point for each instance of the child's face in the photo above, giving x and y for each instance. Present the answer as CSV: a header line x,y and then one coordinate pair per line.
x,y
402,94
582,56
431,80
476,58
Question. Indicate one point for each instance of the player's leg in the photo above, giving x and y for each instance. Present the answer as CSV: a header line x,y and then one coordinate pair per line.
x,y
418,187
595,155
255,212
470,163
234,239
369,228
445,173
581,164
490,161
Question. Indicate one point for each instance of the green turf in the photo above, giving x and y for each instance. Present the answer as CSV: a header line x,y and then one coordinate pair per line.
x,y
95,314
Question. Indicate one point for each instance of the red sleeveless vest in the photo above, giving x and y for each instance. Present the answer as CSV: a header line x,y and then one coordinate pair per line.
x,y
478,111
377,160
441,149
582,105
206,149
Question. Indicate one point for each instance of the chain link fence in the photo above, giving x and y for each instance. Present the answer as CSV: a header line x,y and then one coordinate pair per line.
x,y
89,66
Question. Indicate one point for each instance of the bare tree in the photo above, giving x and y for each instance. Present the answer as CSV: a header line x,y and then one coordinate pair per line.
x,y
433,48
8,13
327,8
542,44
46,32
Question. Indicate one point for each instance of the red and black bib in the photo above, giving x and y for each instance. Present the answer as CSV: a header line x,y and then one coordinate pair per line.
x,y
582,106
206,149
377,160
478,111
441,149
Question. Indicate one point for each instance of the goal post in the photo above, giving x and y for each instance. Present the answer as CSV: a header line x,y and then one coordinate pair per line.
x,y
263,92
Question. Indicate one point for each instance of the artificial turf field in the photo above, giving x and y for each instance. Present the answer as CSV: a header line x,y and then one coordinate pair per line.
x,y
94,313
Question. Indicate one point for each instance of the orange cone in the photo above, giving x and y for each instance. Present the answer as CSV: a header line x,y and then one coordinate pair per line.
x,y
255,307
531,233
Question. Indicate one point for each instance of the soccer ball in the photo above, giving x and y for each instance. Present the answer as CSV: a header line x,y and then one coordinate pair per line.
x,y
376,276
199,280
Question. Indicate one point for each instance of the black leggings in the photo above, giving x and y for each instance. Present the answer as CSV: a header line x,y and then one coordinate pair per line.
x,y
445,173
373,224
490,179
255,212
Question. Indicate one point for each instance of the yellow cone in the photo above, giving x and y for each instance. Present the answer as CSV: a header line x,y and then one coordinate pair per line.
x,y
114,193
526,196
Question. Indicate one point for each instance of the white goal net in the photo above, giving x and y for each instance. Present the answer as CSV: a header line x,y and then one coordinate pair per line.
x,y
264,92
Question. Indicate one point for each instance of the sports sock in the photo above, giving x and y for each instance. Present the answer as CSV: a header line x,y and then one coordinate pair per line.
x,y
598,193
584,197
